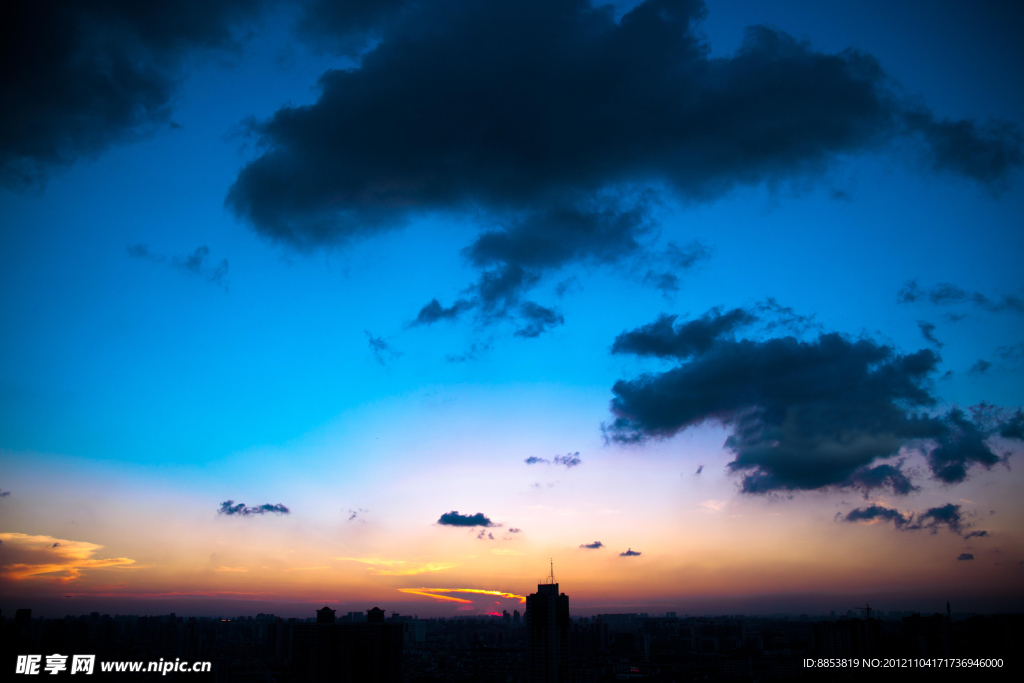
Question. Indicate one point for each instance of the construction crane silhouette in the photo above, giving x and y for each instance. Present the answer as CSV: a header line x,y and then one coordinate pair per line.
x,y
867,610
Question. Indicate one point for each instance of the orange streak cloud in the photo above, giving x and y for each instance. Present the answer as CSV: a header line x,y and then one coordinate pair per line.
x,y
430,591
414,591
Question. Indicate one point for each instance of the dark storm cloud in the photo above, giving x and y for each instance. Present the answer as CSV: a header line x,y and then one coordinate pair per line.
x,y
195,263
453,518
434,312
382,351
928,332
629,553
538,319
962,443
570,460
965,556
878,512
880,476
509,105
78,77
663,339
230,508
1013,428
513,259
593,546
984,152
803,414
346,26
946,294
948,516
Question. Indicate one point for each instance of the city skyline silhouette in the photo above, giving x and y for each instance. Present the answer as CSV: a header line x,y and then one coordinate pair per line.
x,y
696,307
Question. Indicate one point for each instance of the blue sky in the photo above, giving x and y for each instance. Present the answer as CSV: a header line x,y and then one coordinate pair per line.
x,y
264,383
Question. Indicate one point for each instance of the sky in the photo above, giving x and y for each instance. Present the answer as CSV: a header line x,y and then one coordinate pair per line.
x,y
715,306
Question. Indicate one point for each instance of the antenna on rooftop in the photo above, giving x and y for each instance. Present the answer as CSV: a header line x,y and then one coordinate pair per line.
x,y
552,576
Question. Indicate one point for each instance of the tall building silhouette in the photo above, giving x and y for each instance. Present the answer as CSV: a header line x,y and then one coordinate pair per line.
x,y
548,625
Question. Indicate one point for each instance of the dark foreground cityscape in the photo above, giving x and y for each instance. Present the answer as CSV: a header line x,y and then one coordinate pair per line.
x,y
544,644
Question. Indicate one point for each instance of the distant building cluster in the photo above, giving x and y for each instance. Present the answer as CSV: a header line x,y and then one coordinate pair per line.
x,y
545,645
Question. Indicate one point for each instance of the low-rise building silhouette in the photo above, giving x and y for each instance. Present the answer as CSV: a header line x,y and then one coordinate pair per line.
x,y
369,652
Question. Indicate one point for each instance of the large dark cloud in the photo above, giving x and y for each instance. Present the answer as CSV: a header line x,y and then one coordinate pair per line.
x,y
962,443
1013,428
537,107
345,26
513,259
77,77
230,508
564,128
876,512
664,339
949,516
453,518
803,414
946,294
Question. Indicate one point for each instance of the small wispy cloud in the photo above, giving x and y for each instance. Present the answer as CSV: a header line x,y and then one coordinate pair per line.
x,y
191,264
387,567
230,569
569,460
593,546
382,351
630,553
230,508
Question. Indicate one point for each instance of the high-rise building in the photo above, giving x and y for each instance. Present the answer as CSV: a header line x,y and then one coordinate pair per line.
x,y
548,625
